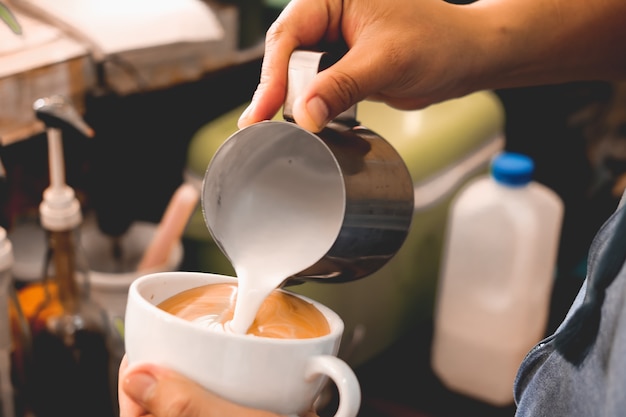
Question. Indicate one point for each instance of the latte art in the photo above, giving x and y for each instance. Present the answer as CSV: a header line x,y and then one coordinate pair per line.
x,y
281,316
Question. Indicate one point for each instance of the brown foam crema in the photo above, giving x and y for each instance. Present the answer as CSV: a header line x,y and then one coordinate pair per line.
x,y
281,315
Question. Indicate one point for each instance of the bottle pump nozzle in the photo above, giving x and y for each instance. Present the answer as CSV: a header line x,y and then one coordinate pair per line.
x,y
60,209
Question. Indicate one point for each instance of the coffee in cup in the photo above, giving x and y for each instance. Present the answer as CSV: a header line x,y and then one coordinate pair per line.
x,y
284,376
282,315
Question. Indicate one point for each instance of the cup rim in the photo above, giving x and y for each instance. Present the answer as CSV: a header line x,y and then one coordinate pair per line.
x,y
336,323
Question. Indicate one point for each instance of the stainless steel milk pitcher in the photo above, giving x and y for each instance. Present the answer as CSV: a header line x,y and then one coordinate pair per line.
x,y
346,177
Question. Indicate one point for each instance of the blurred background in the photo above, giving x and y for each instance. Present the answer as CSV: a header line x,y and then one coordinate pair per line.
x,y
162,84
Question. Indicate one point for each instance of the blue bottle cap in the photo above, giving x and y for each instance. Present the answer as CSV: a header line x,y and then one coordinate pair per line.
x,y
512,169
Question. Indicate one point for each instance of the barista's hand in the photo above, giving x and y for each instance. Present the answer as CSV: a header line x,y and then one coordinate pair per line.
x,y
148,390
413,53
378,65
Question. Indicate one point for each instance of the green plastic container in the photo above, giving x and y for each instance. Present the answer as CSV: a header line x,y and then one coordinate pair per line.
x,y
443,146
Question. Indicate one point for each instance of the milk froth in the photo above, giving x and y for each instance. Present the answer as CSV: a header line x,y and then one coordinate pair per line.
x,y
281,315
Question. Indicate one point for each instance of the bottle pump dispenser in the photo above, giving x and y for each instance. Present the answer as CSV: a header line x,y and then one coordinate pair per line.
x,y
60,209
72,367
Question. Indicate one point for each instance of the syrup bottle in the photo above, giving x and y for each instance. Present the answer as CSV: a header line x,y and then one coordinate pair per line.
x,y
72,367
14,339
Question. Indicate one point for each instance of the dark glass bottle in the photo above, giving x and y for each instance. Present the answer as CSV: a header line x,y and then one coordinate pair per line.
x,y
72,370
72,367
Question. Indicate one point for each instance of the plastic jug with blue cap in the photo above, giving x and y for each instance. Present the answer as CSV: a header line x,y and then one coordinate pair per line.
x,y
496,279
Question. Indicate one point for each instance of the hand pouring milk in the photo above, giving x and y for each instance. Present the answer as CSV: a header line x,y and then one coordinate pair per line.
x,y
283,203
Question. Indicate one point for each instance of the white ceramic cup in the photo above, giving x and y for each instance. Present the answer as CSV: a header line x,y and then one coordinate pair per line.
x,y
284,376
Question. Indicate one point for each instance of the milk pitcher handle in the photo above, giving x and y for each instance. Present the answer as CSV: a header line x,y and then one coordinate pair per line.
x,y
303,66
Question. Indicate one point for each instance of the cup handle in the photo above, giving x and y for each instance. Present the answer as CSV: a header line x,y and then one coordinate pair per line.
x,y
344,378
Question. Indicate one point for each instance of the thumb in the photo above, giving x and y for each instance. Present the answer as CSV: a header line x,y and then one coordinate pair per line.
x,y
337,88
165,393
162,393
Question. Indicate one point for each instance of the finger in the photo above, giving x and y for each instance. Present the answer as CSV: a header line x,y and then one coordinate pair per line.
x,y
164,393
128,407
310,413
301,23
351,79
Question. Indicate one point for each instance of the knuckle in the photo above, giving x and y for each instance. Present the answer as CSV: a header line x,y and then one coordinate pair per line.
x,y
278,29
274,32
347,89
180,406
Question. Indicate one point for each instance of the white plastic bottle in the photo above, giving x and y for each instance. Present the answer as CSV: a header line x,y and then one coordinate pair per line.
x,y
496,279
14,339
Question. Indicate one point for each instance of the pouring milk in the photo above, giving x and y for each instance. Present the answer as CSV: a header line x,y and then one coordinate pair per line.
x,y
274,221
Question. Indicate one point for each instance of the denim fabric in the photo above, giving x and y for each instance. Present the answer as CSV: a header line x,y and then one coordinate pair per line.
x,y
548,385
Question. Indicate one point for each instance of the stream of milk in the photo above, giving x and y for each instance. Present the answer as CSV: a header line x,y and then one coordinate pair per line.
x,y
281,225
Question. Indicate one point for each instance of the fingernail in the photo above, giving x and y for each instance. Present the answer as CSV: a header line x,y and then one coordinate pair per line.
x,y
139,386
318,111
244,116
